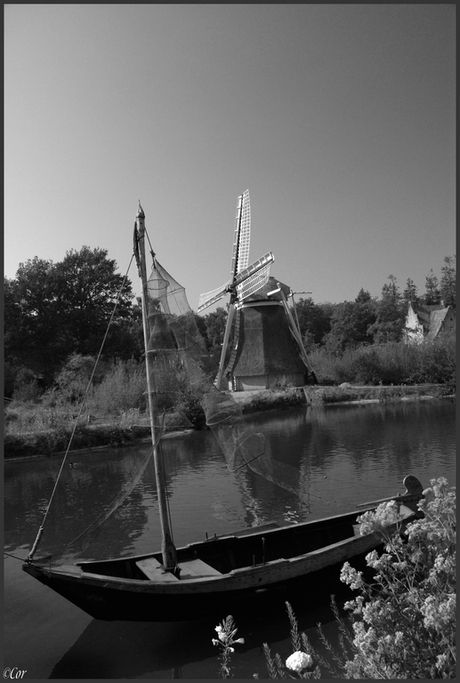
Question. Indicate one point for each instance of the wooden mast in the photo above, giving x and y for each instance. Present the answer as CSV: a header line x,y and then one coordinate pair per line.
x,y
168,549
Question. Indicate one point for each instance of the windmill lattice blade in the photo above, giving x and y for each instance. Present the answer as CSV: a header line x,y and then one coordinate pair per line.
x,y
253,268
254,282
209,298
254,276
245,234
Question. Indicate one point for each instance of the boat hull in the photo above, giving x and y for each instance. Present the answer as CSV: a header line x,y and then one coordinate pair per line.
x,y
111,598
216,575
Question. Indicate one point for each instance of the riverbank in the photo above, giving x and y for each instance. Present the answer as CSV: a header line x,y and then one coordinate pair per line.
x,y
109,434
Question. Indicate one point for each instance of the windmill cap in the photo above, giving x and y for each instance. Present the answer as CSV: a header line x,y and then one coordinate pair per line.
x,y
271,285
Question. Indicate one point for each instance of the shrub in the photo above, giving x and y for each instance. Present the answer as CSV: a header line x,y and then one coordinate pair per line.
x,y
72,380
122,388
391,363
26,387
437,361
404,624
192,409
367,368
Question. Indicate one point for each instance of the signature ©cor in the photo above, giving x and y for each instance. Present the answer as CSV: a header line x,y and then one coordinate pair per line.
x,y
13,673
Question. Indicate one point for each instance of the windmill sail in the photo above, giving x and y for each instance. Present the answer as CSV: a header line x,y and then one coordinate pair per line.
x,y
260,268
255,281
240,258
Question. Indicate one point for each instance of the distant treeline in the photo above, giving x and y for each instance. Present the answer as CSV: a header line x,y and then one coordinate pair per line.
x,y
56,311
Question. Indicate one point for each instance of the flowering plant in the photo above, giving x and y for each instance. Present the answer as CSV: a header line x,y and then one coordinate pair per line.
x,y
404,623
226,632
301,660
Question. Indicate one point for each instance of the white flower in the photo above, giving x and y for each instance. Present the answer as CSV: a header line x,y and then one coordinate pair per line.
x,y
221,633
299,661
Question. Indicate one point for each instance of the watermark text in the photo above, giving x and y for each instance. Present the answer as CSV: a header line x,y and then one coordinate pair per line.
x,y
13,673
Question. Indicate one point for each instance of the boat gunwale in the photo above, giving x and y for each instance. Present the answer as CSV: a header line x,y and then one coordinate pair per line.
x,y
252,573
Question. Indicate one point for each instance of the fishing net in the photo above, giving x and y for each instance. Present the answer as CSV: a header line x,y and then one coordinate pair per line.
x,y
172,323
242,445
179,358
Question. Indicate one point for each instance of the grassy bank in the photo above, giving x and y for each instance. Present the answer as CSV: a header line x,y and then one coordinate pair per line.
x,y
31,431
54,441
40,423
345,393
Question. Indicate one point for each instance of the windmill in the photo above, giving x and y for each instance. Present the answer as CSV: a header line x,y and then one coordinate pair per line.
x,y
244,279
277,334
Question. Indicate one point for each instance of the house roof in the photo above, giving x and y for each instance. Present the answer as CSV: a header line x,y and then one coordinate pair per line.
x,y
436,320
431,318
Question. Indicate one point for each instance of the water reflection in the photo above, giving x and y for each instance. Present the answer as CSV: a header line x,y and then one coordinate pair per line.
x,y
343,456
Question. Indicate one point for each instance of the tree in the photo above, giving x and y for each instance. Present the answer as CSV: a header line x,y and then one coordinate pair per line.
x,y
54,310
313,322
389,323
201,324
215,326
432,291
11,338
365,316
350,324
89,287
410,294
448,284
35,337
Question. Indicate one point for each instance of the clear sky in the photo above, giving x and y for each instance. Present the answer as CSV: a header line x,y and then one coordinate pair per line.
x,y
340,119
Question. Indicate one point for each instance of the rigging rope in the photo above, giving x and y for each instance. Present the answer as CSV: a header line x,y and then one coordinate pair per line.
x,y
15,557
93,528
90,381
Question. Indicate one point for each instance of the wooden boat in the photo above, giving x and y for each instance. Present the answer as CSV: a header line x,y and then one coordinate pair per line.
x,y
208,577
211,575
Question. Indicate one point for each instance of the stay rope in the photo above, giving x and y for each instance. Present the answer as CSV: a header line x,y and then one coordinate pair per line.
x,y
90,381
127,489
15,557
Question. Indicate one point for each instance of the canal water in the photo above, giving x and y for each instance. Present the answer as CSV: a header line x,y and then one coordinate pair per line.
x,y
343,456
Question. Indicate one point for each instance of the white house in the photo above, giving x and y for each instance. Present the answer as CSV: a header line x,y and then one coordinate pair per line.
x,y
425,323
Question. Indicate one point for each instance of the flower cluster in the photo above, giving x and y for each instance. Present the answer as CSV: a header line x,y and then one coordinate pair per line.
x,y
403,624
299,661
378,521
406,628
